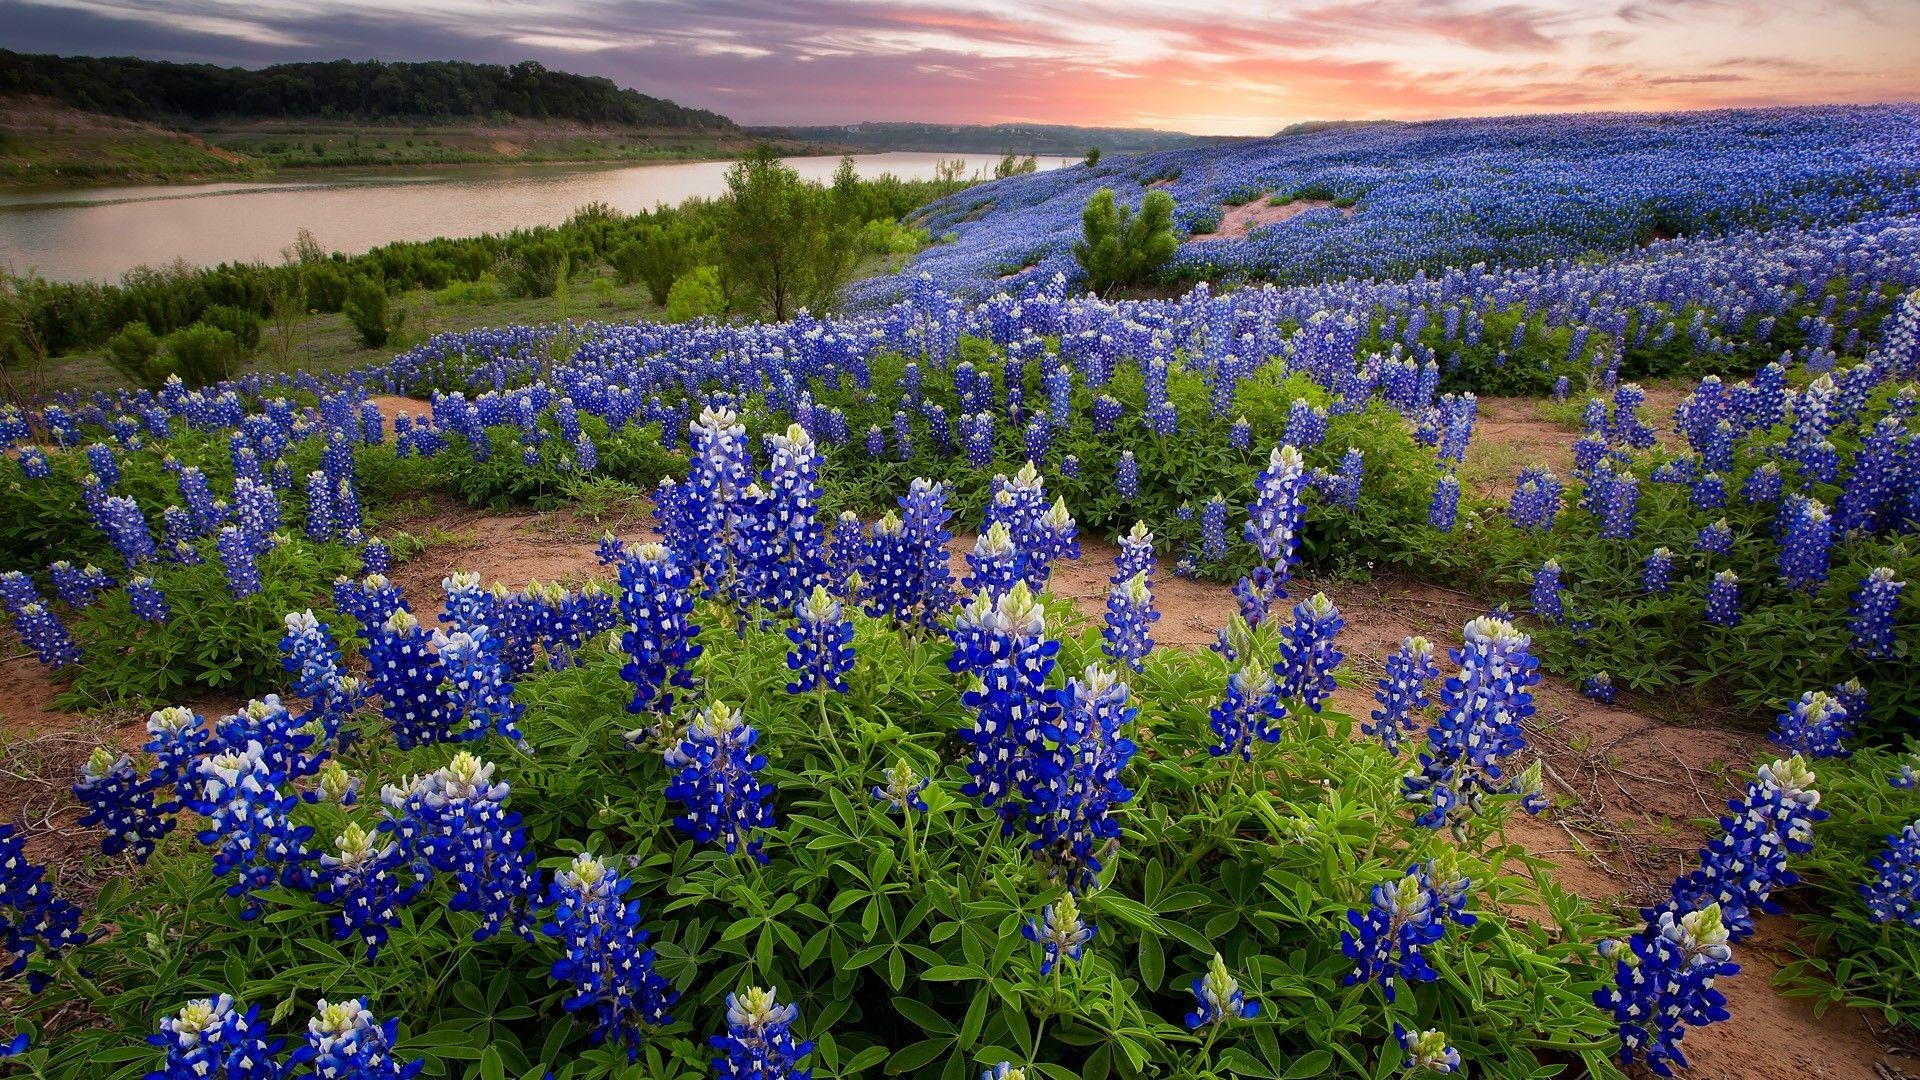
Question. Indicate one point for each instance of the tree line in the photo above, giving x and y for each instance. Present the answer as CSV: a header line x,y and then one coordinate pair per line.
x,y
156,90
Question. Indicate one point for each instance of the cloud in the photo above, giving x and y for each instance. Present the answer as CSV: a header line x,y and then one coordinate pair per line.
x,y
1224,66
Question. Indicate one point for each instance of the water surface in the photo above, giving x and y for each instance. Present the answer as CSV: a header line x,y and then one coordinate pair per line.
x,y
99,233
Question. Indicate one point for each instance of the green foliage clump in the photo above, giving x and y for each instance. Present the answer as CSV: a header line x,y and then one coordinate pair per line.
x,y
1121,248
696,294
132,353
200,354
370,311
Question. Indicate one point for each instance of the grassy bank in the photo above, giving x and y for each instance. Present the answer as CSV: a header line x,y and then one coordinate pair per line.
x,y
45,145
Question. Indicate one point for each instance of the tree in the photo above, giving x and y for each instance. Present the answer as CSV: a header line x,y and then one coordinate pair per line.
x,y
1122,248
780,239
1093,157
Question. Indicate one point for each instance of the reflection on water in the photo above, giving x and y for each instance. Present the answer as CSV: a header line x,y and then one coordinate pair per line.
x,y
101,232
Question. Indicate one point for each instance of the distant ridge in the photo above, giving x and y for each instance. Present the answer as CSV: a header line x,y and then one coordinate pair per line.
x,y
989,138
367,90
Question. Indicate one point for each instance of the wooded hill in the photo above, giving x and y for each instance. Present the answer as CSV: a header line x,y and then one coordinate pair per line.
x,y
370,90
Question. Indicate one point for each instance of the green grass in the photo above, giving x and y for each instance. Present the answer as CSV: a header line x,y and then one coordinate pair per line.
x,y
327,344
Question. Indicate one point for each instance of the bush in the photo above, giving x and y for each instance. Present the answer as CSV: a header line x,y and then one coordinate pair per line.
x,y
697,293
200,354
657,256
244,325
534,270
368,310
1120,248
132,352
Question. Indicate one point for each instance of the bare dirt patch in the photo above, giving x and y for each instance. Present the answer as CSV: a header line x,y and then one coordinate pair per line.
x,y
1237,221
392,405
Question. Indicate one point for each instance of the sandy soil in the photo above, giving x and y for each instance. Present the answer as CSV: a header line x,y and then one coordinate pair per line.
x,y
1237,221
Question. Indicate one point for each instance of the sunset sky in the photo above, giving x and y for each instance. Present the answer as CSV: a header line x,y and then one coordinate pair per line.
x,y
1202,66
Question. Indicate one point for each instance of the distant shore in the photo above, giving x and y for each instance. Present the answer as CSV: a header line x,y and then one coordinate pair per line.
x,y
44,146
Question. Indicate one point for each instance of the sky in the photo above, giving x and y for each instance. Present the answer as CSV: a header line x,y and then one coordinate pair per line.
x,y
1215,67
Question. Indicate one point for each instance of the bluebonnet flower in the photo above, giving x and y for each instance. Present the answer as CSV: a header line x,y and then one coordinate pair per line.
x,y
126,529
1852,696
1106,413
607,959
33,918
308,652
1764,484
1005,1070
1807,532
759,1042
1060,932
1657,572
1716,538
237,551
1907,778
1483,708
78,587
177,738
1127,634
1547,600
1427,1051
1874,605
1074,779
1240,437
1739,869
822,652
248,826
657,608
210,1039
927,591
1126,477
101,461
713,779
1894,893
1306,425
1620,506
33,463
1070,466
1213,529
1599,687
1308,654
127,805
994,562
1446,502
1663,984
146,601
375,557
1404,917
346,1042
902,789
1003,642
44,633
846,550
1402,694
360,879
1135,557
1218,999
478,685
1723,599
1816,726
1708,492
407,674
1274,518
454,821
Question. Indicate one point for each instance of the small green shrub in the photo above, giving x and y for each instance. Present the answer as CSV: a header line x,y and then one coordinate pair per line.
x,y
697,293
132,353
200,354
1121,248
244,325
368,309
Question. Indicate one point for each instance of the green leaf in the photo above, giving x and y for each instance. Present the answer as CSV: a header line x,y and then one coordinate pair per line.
x,y
1153,962
917,1055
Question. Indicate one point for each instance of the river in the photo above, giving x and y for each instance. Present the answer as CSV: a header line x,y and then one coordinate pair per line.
x,y
100,233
